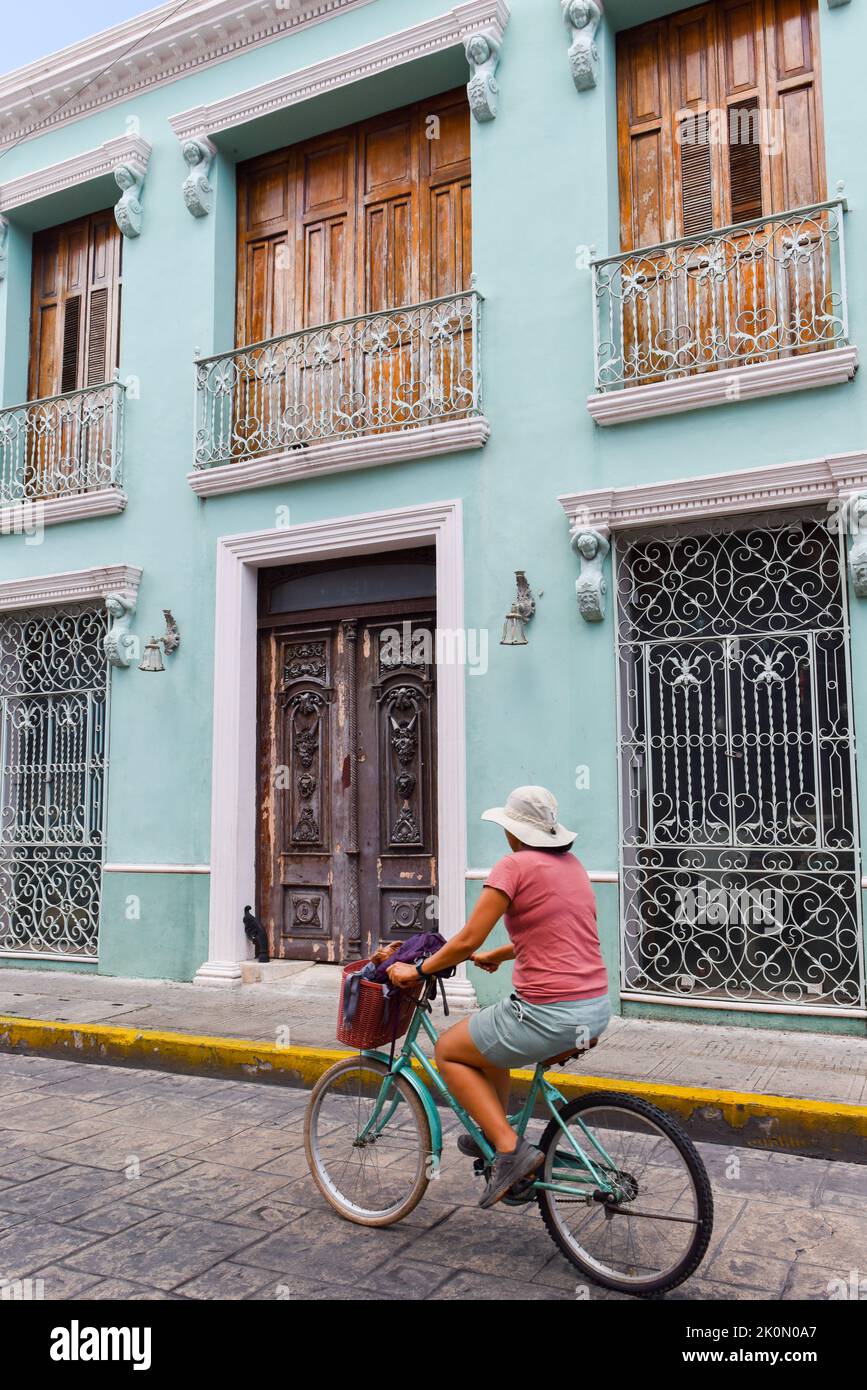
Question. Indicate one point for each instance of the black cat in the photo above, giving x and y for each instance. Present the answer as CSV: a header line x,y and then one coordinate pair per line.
x,y
257,934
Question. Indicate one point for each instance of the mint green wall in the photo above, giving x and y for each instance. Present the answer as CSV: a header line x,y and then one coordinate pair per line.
x,y
544,182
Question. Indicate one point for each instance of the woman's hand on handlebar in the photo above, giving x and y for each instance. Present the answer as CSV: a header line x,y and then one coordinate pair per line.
x,y
489,961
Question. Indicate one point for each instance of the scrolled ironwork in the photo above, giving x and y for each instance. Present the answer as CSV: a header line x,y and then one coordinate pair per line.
x,y
756,292
62,445
737,766
385,371
53,727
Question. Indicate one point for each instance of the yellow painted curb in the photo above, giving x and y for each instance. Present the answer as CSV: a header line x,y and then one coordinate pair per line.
x,y
822,1128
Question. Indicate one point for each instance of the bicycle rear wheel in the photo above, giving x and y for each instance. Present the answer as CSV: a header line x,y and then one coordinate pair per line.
x,y
372,1178
654,1233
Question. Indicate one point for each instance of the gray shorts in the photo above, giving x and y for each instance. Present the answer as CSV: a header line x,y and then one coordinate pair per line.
x,y
512,1032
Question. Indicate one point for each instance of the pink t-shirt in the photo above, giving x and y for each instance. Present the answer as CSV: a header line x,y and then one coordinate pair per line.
x,y
551,922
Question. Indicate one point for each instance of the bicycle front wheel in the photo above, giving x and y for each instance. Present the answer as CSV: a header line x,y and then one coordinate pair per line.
x,y
653,1231
372,1165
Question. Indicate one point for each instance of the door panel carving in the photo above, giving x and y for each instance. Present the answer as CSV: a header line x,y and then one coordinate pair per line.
x,y
347,786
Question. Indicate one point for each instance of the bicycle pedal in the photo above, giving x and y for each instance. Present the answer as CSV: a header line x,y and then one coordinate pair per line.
x,y
522,1193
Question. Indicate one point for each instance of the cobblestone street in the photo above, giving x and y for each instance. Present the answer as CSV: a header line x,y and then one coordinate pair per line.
x,y
125,1184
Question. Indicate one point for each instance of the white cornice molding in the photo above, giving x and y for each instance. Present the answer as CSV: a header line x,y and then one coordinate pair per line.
x,y
814,481
342,455
131,150
73,586
432,36
724,387
154,48
25,518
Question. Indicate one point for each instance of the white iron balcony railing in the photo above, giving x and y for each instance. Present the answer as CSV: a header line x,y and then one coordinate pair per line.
x,y
62,445
391,370
755,292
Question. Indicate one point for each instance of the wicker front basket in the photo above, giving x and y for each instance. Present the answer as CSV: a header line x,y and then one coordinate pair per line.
x,y
377,1020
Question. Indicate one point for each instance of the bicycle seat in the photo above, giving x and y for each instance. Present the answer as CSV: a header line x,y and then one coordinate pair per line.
x,y
565,1057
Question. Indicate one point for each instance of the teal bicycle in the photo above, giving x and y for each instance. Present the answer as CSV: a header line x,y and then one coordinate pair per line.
x,y
622,1191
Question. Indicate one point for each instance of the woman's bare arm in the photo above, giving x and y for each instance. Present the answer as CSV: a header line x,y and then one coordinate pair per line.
x,y
484,917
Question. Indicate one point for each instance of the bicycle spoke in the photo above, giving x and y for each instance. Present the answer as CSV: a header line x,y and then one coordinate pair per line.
x,y
651,1183
367,1151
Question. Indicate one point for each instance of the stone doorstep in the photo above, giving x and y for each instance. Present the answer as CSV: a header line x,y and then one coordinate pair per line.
x,y
254,972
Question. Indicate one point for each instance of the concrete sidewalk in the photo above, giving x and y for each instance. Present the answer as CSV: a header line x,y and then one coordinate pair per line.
x,y
287,1026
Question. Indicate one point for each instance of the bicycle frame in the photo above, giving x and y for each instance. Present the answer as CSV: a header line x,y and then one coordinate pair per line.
x,y
575,1168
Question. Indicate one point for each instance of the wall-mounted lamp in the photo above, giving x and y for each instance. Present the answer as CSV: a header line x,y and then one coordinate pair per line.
x,y
522,610
152,660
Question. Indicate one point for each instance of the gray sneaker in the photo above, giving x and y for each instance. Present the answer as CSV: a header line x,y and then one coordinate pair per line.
x,y
509,1169
469,1147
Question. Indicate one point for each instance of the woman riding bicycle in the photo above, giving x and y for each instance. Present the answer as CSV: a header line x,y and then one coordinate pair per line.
x,y
560,996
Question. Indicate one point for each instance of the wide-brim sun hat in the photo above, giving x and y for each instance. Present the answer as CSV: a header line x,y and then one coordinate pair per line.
x,y
530,814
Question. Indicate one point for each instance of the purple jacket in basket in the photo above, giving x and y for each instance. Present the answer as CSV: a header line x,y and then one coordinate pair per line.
x,y
415,949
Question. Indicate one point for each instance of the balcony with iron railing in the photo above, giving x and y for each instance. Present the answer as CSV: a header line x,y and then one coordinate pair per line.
x,y
379,387
753,309
64,453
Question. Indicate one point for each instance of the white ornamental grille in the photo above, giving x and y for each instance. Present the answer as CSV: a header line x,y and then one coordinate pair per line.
x,y
53,717
740,856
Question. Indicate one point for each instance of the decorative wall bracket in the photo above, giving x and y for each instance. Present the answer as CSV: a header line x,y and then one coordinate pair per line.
x,y
119,644
4,246
129,177
199,154
856,517
522,610
591,547
152,660
583,18
483,56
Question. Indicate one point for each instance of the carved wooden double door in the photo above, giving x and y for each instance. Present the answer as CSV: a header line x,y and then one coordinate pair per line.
x,y
347,784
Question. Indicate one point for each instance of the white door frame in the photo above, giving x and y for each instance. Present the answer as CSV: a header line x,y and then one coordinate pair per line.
x,y
233,795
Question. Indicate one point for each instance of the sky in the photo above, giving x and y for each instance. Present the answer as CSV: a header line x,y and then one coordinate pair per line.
x,y
29,32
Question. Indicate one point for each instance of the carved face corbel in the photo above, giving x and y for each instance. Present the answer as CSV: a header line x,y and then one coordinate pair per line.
x,y
483,56
121,648
128,211
199,155
583,18
856,520
591,547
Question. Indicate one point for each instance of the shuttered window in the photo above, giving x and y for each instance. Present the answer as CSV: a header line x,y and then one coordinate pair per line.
x,y
75,315
371,217
719,118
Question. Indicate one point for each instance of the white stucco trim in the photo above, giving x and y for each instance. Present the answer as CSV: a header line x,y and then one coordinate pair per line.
x,y
148,51
432,35
156,868
80,168
19,517
233,794
724,387
732,1006
717,494
71,586
594,875
341,455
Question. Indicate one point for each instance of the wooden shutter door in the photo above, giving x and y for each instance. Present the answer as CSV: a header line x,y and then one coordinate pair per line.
x,y
74,343
324,278
390,378
748,66
266,254
446,266
797,170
